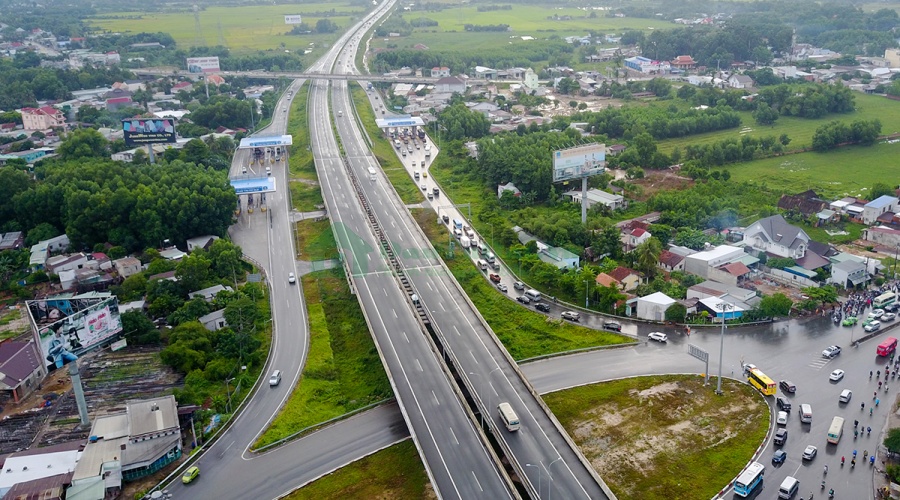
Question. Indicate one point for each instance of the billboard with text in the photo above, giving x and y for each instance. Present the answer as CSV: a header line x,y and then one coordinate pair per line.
x,y
294,19
578,162
140,131
203,64
66,327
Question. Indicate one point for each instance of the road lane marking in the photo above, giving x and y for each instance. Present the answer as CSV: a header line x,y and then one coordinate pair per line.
x,y
436,400
473,357
454,436
419,364
456,329
395,313
405,337
476,482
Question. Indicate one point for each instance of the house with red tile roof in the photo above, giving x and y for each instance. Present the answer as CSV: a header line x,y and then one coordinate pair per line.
x,y
669,261
628,278
42,118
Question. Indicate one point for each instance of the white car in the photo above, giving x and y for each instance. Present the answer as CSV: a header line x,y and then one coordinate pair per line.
x,y
831,351
749,366
877,313
658,336
782,418
291,278
872,326
888,317
836,375
810,452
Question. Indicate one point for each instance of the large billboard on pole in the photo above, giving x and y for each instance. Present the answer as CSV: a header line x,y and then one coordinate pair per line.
x,y
578,162
66,327
293,19
140,131
203,64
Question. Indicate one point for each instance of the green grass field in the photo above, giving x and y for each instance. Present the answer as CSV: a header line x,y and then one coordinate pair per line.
x,y
395,472
315,240
343,371
525,333
257,27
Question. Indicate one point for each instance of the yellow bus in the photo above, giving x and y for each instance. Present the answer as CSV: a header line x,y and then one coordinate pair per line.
x,y
763,383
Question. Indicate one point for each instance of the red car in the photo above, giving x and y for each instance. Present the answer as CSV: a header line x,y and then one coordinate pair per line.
x,y
495,278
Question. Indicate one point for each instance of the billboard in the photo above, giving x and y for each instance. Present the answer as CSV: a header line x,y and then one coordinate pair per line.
x,y
295,19
139,131
578,162
203,64
66,327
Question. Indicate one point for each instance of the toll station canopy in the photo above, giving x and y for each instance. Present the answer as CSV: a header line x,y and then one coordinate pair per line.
x,y
265,142
257,185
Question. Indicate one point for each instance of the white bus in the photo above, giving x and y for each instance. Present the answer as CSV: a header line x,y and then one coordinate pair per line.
x,y
836,430
885,299
749,479
510,419
372,173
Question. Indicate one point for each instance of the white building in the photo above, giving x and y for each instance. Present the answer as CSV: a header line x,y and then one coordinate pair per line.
x,y
775,236
700,263
873,209
450,84
653,307
596,196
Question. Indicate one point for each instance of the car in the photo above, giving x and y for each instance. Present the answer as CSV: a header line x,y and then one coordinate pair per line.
x,y
748,366
424,187
892,307
495,278
612,325
788,386
888,316
503,288
877,313
658,336
849,321
190,474
783,403
523,299
779,457
446,219
291,278
430,196
873,326
836,375
424,172
570,315
436,191
518,285
810,452
780,437
540,306
831,351
782,417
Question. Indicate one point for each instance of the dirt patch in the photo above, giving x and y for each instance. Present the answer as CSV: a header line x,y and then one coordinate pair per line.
x,y
655,181
657,437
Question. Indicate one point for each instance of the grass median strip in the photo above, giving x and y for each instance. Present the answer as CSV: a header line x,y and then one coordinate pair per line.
x,y
343,371
525,333
664,437
394,472
315,240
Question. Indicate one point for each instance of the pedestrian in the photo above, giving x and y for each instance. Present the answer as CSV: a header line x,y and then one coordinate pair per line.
x,y
876,402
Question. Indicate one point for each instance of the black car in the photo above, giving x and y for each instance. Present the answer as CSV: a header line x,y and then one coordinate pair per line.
x,y
523,299
540,306
787,386
892,307
783,403
780,437
612,325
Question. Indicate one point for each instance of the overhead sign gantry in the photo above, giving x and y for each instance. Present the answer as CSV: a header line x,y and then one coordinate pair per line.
x,y
266,142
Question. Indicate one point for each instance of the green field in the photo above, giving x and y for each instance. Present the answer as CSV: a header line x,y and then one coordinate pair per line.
x,y
315,240
257,27
342,372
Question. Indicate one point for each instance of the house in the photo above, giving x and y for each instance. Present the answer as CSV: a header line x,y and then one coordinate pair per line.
x,y
596,196
12,240
450,84
203,242
131,444
485,73
214,321
20,369
42,118
684,63
185,86
670,261
509,186
773,235
805,204
645,65
882,236
848,274
440,72
740,81
57,244
732,293
210,293
70,263
629,279
875,208
706,263
127,266
172,253
631,238
117,103
653,307
721,309
40,473
215,80
530,79
615,149
606,280
559,257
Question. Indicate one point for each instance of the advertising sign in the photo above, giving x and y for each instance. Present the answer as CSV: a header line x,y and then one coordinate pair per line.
x,y
203,64
68,327
295,19
139,131
578,162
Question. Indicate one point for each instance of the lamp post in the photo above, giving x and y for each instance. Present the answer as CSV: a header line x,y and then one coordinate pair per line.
x,y
724,307
228,393
539,477
550,475
586,285
484,407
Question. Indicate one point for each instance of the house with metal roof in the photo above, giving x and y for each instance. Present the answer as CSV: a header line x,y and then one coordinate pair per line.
x,y
773,235
881,205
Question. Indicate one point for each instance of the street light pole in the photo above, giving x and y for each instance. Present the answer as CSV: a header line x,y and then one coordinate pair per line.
x,y
483,406
586,284
539,477
550,475
724,306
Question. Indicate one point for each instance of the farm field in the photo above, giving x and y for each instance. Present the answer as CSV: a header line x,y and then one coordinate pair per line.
x,y
260,27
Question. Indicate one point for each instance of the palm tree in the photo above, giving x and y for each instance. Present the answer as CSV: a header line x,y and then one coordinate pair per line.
x,y
646,255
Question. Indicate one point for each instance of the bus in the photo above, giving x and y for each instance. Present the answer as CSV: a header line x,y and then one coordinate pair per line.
x,y
885,299
510,419
763,383
836,430
887,347
749,479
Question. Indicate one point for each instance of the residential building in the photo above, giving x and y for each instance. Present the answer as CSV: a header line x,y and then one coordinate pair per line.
x,y
848,274
629,279
12,240
606,280
893,57
559,257
450,84
44,470
704,263
596,196
203,242
732,293
70,263
615,149
740,81
172,253
127,266
42,118
773,235
882,236
530,79
214,321
721,309
20,369
485,73
631,238
645,65
805,204
509,186
210,293
440,72
653,307
877,207
670,261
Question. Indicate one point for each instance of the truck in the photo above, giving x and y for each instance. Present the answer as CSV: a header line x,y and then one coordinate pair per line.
x,y
428,151
397,143
457,224
421,133
464,241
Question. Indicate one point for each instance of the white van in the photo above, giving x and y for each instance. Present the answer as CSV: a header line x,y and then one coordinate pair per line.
x,y
416,175
846,394
482,265
275,379
788,488
534,295
509,417
806,413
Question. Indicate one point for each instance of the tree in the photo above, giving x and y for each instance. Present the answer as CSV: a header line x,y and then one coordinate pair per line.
x,y
193,271
326,26
83,143
765,115
138,328
646,256
676,313
881,189
778,304
567,86
608,297
892,440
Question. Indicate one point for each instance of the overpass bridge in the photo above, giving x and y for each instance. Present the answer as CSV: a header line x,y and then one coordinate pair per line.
x,y
293,75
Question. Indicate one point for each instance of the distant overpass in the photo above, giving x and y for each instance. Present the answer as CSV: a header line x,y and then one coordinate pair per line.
x,y
314,75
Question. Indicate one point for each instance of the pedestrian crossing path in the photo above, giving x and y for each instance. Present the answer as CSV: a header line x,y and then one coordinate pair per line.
x,y
818,362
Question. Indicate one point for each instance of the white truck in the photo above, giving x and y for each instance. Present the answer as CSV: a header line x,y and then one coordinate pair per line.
x,y
464,241
428,151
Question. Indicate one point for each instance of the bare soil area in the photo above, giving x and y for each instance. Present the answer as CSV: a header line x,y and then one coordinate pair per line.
x,y
661,180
